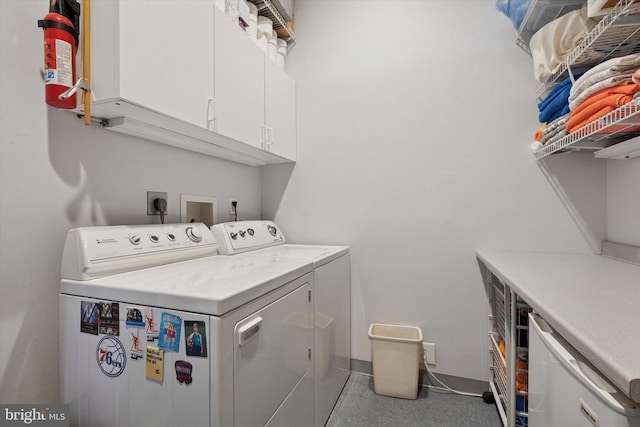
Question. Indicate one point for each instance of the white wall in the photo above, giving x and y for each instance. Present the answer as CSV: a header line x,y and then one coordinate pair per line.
x,y
414,125
57,174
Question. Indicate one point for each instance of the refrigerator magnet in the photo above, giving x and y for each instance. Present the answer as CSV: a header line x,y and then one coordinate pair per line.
x,y
155,364
170,326
195,337
183,372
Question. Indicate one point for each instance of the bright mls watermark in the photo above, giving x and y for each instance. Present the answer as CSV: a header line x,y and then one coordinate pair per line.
x,y
35,415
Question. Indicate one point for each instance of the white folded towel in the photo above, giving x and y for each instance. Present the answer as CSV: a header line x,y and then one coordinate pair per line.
x,y
604,84
620,62
582,84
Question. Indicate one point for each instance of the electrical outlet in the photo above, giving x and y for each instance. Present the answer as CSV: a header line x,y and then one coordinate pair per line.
x,y
151,196
232,209
429,350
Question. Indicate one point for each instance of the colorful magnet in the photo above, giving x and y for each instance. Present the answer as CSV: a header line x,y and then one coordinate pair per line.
x,y
152,328
170,326
183,372
111,356
109,318
89,317
135,351
155,364
195,338
134,317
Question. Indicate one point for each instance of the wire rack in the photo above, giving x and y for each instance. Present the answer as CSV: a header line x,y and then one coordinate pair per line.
x,y
617,34
268,10
509,323
617,126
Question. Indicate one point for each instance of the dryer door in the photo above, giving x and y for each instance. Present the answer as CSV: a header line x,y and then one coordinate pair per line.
x,y
271,359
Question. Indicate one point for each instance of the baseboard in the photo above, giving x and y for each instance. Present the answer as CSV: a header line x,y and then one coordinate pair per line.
x,y
622,252
457,383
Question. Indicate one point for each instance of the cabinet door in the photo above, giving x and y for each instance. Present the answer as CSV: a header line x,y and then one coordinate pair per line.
x,y
239,83
166,56
280,110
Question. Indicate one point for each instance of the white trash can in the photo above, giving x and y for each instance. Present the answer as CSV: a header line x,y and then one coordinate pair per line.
x,y
395,352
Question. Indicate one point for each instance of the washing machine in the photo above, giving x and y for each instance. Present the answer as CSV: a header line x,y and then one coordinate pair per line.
x,y
331,285
158,330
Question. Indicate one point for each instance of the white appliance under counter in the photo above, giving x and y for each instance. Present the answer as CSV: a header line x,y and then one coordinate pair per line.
x,y
590,300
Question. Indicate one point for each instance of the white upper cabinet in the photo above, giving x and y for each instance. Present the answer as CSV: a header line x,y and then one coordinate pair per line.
x,y
154,54
280,111
255,99
183,74
239,83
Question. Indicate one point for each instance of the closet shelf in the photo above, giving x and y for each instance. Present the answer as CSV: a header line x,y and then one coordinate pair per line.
x,y
539,14
617,34
267,9
615,127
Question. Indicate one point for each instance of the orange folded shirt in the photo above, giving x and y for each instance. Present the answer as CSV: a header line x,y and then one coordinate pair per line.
x,y
601,103
595,110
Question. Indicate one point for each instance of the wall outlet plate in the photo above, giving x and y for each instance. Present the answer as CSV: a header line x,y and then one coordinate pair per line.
x,y
232,210
429,349
151,196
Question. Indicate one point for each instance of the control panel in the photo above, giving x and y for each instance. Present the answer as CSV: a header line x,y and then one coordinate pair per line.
x,y
243,236
91,252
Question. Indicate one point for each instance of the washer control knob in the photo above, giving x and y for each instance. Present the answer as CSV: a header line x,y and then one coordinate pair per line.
x,y
242,233
250,231
233,235
154,238
134,239
171,237
272,230
194,234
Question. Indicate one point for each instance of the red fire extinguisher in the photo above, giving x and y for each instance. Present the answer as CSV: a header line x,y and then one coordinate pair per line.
x,y
60,47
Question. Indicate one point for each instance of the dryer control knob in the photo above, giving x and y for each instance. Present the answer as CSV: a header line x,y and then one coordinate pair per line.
x,y
242,233
194,234
134,239
233,235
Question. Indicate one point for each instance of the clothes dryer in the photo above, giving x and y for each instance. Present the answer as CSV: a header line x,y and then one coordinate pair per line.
x,y
331,299
156,330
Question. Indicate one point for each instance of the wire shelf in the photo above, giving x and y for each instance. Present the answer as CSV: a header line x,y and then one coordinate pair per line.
x,y
617,126
268,10
617,34
509,329
539,14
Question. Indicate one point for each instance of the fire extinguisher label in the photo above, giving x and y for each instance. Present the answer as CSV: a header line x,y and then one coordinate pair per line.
x,y
62,71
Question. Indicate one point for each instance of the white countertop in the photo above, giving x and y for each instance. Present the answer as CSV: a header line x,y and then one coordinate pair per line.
x,y
592,301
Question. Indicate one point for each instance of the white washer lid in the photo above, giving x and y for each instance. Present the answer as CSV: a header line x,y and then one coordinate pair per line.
x,y
318,254
213,285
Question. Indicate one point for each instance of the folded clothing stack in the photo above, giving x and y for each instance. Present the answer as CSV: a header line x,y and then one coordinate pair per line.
x,y
601,103
556,103
603,76
555,130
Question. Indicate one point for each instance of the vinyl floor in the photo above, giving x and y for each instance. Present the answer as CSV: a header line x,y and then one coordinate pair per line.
x,y
360,406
